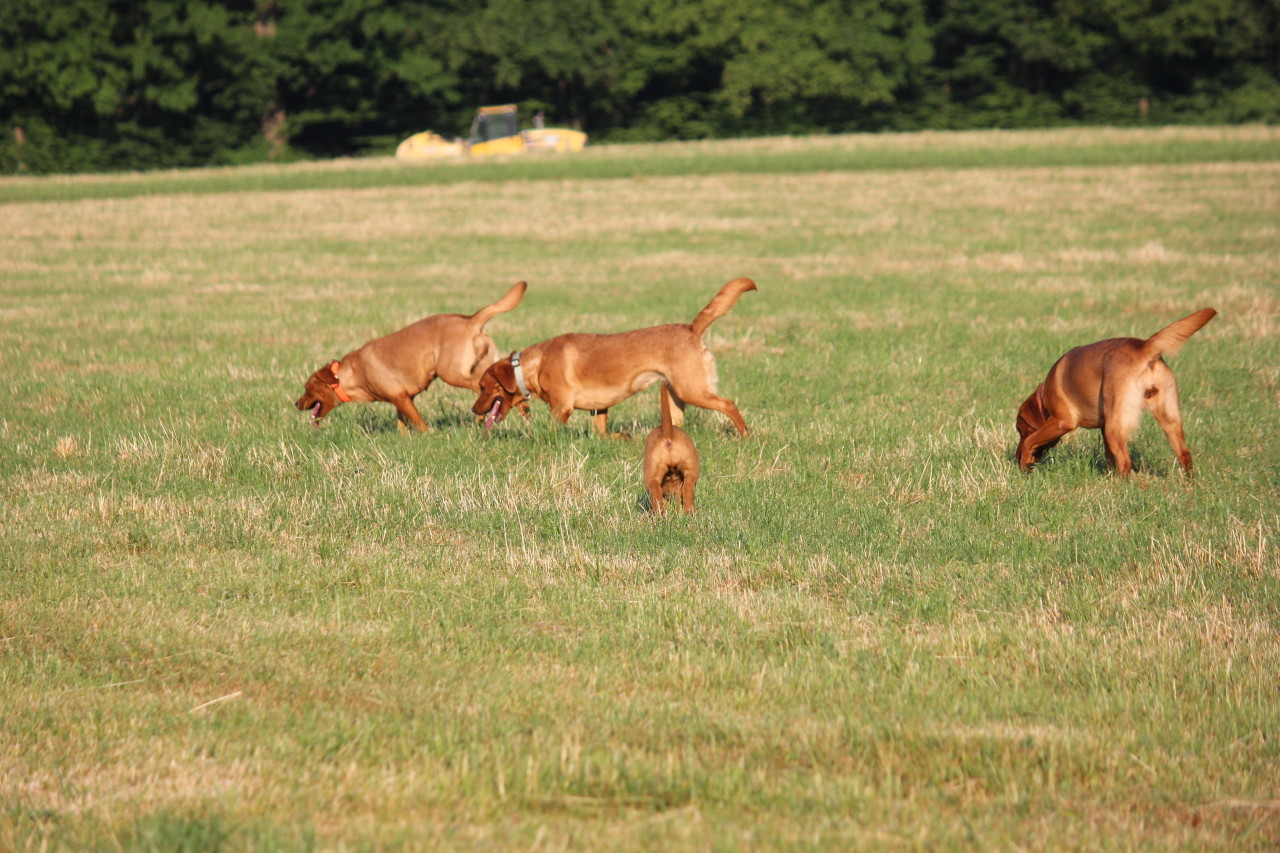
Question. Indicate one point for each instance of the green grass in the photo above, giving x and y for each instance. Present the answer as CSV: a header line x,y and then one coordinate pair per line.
x,y
222,629
777,156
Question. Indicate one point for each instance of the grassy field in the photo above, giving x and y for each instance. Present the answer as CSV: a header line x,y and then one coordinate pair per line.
x,y
223,629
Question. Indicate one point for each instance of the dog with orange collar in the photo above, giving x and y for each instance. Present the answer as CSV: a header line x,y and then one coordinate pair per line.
x,y
397,367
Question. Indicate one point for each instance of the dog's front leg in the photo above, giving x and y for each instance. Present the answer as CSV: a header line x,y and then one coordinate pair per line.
x,y
600,420
1033,446
406,412
562,412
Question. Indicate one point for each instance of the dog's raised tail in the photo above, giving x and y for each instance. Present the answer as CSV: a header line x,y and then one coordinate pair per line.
x,y
664,403
506,303
1170,339
720,304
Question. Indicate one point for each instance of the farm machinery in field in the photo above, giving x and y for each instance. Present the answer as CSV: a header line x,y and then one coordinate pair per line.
x,y
495,130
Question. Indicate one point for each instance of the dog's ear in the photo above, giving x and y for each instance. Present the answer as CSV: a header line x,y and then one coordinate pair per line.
x,y
326,374
1032,416
506,376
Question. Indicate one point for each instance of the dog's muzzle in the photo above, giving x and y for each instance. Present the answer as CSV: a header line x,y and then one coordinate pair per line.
x,y
493,416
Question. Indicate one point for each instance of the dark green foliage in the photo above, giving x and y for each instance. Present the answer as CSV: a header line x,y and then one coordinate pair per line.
x,y
1103,61
111,84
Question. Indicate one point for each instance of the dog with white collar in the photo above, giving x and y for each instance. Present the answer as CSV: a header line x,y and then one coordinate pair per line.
x,y
595,372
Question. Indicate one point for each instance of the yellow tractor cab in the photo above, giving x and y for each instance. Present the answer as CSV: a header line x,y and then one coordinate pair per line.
x,y
496,130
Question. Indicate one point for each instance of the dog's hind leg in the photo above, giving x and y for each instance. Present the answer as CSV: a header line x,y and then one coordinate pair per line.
x,y
695,383
686,490
676,409
656,498
1164,405
708,400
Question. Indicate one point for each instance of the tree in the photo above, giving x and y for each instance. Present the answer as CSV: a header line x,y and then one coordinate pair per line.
x,y
109,84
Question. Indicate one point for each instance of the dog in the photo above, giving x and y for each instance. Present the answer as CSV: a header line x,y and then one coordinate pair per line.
x,y
670,461
1106,385
595,372
396,368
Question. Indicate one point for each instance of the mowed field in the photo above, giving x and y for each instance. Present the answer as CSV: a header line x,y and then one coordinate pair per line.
x,y
221,628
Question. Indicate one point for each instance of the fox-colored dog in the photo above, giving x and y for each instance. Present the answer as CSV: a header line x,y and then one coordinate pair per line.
x,y
1107,385
594,372
396,368
670,461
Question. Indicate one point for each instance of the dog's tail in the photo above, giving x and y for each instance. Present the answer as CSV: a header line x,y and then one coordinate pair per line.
x,y
1170,339
720,304
664,403
506,303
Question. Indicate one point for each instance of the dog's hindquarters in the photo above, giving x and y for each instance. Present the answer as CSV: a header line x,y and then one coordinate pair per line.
x,y
671,464
1156,390
706,396
1160,389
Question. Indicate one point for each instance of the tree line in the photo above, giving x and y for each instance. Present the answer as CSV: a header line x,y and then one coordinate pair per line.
x,y
88,85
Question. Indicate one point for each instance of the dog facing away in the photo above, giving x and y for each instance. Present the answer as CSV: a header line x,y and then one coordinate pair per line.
x,y
396,368
670,461
594,372
1106,385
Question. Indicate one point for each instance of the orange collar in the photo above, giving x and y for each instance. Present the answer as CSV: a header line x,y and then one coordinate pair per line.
x,y
337,388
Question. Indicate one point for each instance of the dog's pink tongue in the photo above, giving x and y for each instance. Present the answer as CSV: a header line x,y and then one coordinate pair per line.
x,y
315,415
493,413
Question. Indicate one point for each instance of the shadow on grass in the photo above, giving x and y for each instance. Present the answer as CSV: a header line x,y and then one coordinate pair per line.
x,y
165,832
381,420
1077,456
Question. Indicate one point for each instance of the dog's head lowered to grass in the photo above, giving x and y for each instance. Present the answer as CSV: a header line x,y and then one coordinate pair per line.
x,y
1031,416
499,393
322,394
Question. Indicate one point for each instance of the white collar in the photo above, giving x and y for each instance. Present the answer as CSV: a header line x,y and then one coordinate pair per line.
x,y
515,364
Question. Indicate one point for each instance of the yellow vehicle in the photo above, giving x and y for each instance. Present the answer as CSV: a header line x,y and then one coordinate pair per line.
x,y
428,146
495,130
